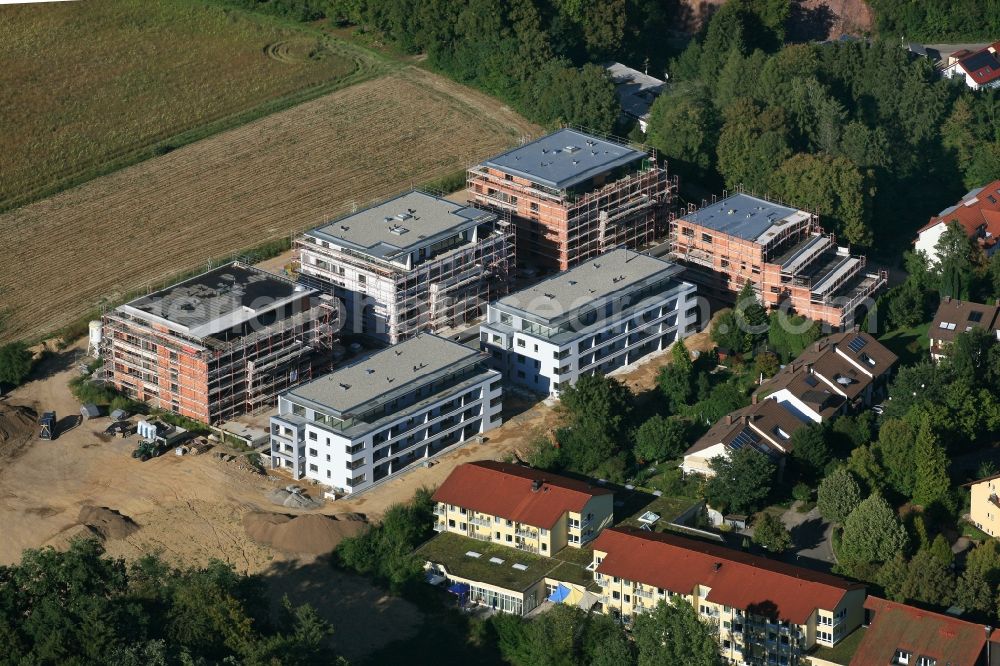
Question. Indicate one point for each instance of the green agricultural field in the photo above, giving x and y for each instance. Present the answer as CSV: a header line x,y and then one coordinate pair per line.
x,y
89,87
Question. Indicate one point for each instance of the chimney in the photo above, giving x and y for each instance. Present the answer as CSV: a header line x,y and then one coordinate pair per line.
x,y
746,419
753,399
809,368
795,366
947,299
729,419
536,485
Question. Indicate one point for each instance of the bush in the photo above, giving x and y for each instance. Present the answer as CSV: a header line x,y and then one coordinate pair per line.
x,y
802,492
15,363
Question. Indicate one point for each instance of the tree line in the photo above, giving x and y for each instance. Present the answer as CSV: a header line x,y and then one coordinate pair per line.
x,y
864,133
80,607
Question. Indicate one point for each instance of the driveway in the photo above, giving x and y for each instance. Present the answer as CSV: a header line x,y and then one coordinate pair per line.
x,y
811,536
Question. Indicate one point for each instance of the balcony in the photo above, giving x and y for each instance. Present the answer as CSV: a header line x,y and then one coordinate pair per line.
x,y
439,510
482,522
520,545
440,527
526,534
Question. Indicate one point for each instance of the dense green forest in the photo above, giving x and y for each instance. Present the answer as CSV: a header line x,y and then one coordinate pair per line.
x,y
938,21
80,607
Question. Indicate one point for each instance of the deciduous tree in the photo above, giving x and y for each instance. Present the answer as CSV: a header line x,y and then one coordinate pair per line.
x,y
838,495
872,533
742,481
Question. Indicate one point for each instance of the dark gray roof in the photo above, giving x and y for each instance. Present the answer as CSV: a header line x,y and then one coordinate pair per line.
x,y
745,216
403,366
395,226
596,279
218,300
564,158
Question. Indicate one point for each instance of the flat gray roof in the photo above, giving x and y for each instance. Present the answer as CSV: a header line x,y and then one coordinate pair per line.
x,y
564,158
746,217
592,281
395,226
218,300
409,364
636,90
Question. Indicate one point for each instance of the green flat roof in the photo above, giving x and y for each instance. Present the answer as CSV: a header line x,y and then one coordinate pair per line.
x,y
449,550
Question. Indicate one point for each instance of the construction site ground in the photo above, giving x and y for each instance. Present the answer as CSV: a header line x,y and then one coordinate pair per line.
x,y
189,508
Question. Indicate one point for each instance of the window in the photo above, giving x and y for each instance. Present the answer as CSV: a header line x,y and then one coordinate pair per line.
x,y
927,661
901,657
616,595
313,453
687,231
706,238
361,279
313,468
507,176
312,436
533,207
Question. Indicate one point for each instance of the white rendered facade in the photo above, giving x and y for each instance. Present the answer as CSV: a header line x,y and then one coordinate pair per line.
x,y
372,419
604,314
414,263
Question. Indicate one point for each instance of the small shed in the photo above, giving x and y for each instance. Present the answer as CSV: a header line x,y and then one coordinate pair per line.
x,y
89,411
119,415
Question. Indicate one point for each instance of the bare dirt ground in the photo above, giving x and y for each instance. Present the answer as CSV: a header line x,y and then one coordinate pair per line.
x,y
265,180
810,19
191,509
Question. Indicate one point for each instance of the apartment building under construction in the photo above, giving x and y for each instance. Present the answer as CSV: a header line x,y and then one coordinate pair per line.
x,y
781,250
574,196
218,345
411,264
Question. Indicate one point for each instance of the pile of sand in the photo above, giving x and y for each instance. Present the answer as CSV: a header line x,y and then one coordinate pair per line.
x,y
110,524
309,534
17,426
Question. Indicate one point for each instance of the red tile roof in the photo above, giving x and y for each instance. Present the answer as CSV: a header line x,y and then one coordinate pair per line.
x,y
983,66
506,490
755,584
919,632
978,210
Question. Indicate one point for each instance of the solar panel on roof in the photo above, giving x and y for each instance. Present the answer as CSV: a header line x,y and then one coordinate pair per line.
x,y
742,440
975,316
857,344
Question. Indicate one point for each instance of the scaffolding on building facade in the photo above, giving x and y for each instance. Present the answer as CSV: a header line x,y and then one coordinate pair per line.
x,y
214,380
563,228
452,287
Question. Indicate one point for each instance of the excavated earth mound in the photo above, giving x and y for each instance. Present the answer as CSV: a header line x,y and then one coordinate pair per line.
x,y
311,534
17,425
109,523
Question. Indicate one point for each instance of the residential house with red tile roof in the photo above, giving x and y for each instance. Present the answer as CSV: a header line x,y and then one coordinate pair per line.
x,y
520,507
901,634
979,69
766,611
978,213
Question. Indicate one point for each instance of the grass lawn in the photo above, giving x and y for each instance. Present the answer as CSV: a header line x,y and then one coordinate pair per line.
x,y
971,531
89,87
909,344
844,650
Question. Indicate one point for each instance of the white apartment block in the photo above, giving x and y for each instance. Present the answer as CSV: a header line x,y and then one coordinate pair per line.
x,y
414,263
365,422
605,313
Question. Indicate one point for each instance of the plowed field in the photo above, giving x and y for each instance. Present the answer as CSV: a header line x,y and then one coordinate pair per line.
x,y
64,255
